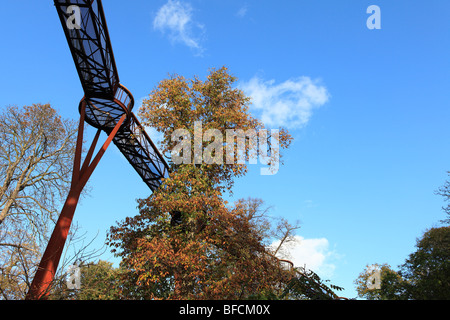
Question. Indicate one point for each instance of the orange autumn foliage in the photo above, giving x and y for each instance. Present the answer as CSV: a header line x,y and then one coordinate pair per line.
x,y
219,250
217,254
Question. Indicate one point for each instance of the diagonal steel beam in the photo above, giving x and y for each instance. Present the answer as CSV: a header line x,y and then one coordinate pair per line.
x,y
49,262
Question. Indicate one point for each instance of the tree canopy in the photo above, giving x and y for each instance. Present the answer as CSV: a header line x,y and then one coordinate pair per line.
x,y
36,152
187,241
425,275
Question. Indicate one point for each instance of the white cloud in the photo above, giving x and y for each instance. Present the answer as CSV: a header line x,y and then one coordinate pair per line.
x,y
289,103
314,254
242,11
175,18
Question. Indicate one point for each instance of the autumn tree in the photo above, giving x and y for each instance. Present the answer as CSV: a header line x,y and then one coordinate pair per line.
x,y
225,260
36,148
187,241
36,152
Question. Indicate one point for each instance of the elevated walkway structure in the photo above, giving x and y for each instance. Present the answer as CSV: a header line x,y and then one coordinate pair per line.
x,y
107,105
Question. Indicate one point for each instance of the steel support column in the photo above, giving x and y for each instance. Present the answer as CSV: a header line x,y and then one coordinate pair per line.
x,y
45,273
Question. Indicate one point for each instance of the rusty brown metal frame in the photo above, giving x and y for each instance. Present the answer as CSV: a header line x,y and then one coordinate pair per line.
x,y
107,106
81,173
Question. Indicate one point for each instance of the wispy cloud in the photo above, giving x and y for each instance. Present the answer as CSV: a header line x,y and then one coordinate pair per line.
x,y
309,204
175,19
289,103
242,11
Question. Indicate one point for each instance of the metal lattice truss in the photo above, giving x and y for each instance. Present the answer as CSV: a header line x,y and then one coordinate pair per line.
x,y
106,100
141,153
85,27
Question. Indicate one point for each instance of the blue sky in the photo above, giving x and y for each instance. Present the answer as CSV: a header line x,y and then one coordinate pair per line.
x,y
371,132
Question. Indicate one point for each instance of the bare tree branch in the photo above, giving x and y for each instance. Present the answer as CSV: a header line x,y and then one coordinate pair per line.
x,y
36,157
